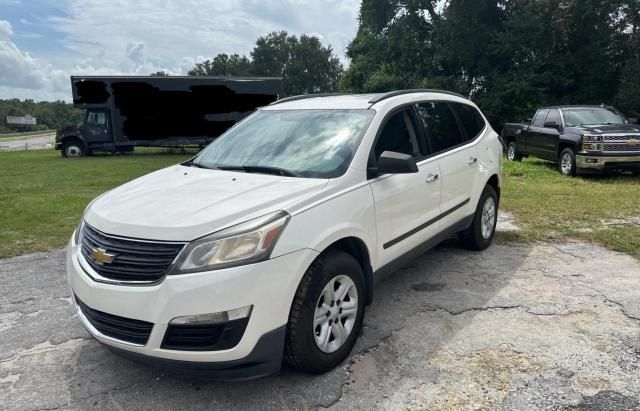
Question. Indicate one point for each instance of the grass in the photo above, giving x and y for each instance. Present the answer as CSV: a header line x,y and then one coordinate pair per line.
x,y
42,197
550,207
27,136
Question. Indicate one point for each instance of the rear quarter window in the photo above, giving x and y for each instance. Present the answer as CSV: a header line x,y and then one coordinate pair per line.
x,y
471,120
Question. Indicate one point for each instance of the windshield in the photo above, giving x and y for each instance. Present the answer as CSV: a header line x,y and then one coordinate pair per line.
x,y
305,143
591,116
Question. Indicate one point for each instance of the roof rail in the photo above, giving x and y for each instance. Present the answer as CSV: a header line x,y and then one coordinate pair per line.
x,y
304,96
409,91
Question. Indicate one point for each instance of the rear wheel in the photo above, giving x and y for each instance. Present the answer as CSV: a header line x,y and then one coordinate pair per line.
x,y
483,228
72,149
512,152
326,315
567,162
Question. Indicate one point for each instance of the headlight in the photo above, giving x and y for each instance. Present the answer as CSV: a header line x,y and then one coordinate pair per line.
x,y
590,139
77,235
244,243
591,143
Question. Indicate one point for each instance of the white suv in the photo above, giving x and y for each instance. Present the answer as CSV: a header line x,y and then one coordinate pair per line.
x,y
267,244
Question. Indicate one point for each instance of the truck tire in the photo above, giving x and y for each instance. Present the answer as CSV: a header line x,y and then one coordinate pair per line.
x,y
333,286
483,228
567,162
512,152
72,149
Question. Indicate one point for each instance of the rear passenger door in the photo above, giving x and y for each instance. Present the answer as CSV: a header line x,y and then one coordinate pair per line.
x,y
456,155
535,142
406,205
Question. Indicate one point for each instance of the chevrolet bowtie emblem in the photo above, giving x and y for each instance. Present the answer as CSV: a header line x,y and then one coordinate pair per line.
x,y
633,142
101,256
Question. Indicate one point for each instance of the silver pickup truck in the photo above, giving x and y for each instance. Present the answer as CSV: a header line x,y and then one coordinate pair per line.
x,y
581,139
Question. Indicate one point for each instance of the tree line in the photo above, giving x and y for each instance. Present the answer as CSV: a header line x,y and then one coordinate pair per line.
x,y
509,56
49,114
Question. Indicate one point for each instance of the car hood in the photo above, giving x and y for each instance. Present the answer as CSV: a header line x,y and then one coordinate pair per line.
x,y
184,203
611,129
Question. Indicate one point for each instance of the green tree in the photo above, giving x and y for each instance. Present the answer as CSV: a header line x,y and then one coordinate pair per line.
x,y
160,73
305,65
224,65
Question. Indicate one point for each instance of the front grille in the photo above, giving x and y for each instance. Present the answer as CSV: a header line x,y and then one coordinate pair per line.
x,y
204,337
130,260
621,144
120,328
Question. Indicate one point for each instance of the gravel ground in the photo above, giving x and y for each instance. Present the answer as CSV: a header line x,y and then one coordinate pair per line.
x,y
515,327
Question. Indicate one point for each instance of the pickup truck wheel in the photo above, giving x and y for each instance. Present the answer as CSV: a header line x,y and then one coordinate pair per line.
x,y
72,149
512,152
483,228
567,162
326,314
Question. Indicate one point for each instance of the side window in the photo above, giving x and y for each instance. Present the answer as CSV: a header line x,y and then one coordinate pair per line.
x,y
440,124
96,118
553,116
538,120
400,135
471,119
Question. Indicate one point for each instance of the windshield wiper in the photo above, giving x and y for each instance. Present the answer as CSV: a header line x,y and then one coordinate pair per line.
x,y
194,164
261,169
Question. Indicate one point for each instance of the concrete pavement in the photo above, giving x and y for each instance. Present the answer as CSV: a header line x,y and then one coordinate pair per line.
x,y
547,326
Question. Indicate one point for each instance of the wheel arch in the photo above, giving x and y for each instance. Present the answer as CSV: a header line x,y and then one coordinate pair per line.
x,y
562,144
357,248
73,138
494,181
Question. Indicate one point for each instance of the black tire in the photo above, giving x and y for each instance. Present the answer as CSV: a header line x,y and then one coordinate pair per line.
x,y
473,238
72,149
567,169
301,350
512,152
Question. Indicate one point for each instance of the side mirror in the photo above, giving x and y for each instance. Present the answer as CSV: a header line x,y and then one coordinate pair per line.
x,y
391,162
552,124
633,120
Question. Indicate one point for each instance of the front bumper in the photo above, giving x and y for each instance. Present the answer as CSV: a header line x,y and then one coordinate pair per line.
x,y
599,163
268,286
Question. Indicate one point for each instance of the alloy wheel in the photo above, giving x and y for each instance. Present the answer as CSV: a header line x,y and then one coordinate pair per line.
x,y
335,313
488,221
566,164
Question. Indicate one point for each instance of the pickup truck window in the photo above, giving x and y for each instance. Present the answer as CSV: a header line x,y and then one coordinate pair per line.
x,y
538,120
584,116
440,125
307,143
470,118
554,115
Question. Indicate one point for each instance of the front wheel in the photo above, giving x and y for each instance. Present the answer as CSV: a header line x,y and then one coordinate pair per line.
x,y
512,152
72,149
483,228
567,162
326,314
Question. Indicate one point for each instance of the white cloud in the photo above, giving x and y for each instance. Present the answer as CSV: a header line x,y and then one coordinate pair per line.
x,y
142,36
19,70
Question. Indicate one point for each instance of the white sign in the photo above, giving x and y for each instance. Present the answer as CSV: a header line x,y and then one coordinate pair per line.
x,y
22,121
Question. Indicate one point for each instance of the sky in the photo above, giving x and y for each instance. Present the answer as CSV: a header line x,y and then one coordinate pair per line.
x,y
43,42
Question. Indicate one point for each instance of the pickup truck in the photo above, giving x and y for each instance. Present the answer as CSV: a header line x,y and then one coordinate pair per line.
x,y
581,139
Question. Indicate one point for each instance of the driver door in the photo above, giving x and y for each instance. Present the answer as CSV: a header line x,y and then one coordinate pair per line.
x,y
405,204
97,126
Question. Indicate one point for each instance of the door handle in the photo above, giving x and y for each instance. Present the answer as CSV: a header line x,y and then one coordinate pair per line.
x,y
472,160
431,178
